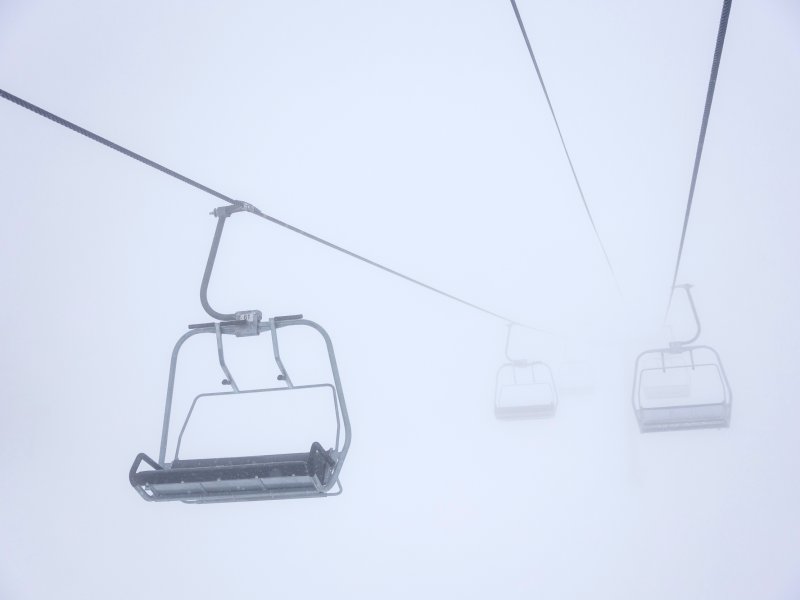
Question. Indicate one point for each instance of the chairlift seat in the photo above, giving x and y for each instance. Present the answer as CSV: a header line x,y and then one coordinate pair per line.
x,y
534,398
531,411
524,389
297,475
672,387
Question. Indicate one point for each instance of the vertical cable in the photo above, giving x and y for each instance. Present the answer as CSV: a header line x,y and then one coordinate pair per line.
x,y
563,143
712,83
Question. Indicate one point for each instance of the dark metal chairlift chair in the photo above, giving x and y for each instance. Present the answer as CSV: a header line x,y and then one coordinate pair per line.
x,y
309,474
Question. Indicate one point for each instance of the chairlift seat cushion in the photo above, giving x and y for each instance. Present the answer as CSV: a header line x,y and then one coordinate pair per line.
x,y
237,478
672,418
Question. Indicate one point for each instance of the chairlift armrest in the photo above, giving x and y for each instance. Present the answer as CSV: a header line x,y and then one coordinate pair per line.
x,y
317,449
137,462
287,318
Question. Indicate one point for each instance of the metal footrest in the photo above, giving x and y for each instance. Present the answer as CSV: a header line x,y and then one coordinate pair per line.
x,y
304,474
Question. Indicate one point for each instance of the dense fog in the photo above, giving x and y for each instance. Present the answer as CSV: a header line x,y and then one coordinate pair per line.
x,y
416,134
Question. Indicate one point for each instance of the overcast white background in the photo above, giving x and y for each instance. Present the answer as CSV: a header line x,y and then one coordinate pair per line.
x,y
415,133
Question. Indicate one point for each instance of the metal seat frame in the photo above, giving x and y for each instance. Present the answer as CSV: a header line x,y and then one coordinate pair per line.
x,y
532,411
303,475
685,416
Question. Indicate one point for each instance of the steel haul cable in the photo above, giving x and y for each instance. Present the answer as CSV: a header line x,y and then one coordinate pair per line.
x,y
167,171
563,142
712,83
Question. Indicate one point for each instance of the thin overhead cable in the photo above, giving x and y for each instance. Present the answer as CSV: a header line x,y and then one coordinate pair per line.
x,y
108,143
563,142
712,83
150,163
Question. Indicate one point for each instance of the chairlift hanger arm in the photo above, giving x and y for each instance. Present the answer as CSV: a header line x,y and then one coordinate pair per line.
x,y
512,360
212,256
516,361
222,214
687,287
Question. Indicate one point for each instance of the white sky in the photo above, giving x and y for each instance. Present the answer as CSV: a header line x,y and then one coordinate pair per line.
x,y
414,133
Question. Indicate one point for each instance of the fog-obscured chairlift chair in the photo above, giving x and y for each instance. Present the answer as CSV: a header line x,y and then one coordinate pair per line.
x,y
525,389
310,473
683,386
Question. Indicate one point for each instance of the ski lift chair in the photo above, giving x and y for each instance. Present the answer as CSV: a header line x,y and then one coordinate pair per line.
x,y
681,387
306,474
524,389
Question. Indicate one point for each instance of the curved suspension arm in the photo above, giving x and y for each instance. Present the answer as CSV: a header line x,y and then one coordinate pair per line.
x,y
688,289
516,361
212,255
221,213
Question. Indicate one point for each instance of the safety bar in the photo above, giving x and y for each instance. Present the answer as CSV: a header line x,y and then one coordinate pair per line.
x,y
275,323
138,461
256,391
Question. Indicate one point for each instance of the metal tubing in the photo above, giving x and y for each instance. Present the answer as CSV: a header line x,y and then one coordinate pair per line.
x,y
173,363
277,353
337,384
212,255
687,289
221,355
256,391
